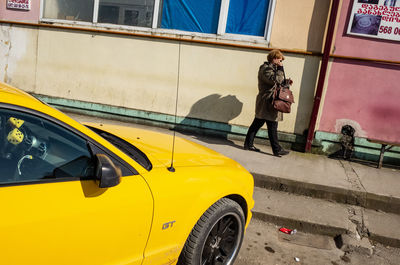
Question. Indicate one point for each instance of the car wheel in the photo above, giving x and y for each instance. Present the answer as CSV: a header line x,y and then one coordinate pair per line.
x,y
216,237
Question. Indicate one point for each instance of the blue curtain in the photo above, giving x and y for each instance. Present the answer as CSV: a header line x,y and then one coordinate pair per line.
x,y
247,17
191,15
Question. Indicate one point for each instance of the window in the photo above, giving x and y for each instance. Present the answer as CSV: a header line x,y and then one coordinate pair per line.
x,y
234,17
77,10
126,12
197,16
34,149
247,17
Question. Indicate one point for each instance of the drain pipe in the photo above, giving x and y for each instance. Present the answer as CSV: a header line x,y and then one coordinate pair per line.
x,y
322,73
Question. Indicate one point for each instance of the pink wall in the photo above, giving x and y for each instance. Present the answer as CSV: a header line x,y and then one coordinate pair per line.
x,y
364,93
20,15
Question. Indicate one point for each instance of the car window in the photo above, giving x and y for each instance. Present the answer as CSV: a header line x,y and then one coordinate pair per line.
x,y
34,149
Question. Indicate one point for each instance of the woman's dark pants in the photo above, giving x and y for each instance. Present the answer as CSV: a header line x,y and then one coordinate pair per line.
x,y
272,133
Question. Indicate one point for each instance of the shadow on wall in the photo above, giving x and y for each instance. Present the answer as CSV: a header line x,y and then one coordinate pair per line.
x,y
308,84
318,23
306,95
212,115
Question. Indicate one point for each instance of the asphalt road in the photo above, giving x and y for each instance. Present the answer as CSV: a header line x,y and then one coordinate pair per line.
x,y
264,244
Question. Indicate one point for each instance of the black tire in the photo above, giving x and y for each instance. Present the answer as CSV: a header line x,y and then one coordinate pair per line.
x,y
217,236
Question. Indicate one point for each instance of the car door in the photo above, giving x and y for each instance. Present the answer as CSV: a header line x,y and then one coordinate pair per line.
x,y
52,210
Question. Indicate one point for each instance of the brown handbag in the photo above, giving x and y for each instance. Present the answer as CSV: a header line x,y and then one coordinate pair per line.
x,y
283,99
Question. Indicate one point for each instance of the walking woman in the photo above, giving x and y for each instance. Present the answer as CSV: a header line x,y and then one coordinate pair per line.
x,y
270,74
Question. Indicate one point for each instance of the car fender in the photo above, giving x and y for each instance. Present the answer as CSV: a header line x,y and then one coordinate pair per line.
x,y
181,198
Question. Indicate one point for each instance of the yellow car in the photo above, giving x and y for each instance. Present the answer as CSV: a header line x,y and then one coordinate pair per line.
x,y
105,194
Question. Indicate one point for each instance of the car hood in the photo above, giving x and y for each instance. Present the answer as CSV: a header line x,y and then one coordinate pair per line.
x,y
158,147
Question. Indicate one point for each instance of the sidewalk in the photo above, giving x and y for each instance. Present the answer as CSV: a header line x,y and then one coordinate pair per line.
x,y
316,175
317,194
340,189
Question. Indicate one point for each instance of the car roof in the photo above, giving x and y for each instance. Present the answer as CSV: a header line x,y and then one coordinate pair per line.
x,y
11,95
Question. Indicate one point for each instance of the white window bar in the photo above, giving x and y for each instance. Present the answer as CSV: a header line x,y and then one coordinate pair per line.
x,y
270,19
96,11
156,13
223,17
41,8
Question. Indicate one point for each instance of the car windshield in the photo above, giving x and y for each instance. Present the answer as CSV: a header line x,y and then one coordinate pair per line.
x,y
129,149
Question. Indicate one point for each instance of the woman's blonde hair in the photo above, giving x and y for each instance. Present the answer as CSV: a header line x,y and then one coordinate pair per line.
x,y
275,54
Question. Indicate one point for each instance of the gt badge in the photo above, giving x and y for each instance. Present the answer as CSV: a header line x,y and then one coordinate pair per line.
x,y
168,225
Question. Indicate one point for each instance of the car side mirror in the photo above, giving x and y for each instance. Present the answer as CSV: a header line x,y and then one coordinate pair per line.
x,y
107,173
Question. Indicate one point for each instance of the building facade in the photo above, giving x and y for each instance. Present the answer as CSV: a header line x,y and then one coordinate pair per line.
x,y
150,59
362,89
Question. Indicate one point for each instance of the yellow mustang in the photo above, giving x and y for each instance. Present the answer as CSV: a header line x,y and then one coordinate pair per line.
x,y
104,194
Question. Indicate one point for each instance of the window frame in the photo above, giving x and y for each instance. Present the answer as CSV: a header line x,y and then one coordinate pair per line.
x,y
222,20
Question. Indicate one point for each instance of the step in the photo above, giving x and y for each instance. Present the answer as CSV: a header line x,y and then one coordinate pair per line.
x,y
315,190
383,227
319,216
363,189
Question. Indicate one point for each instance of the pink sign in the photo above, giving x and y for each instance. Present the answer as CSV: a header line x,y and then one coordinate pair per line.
x,y
19,4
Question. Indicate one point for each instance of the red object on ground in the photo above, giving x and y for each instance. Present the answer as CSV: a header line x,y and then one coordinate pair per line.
x,y
286,230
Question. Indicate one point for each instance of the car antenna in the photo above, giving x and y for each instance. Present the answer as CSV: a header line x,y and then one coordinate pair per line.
x,y
171,167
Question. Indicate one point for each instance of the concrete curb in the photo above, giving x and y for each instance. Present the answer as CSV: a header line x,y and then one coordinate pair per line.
x,y
383,203
388,241
383,227
340,195
319,216
304,226
321,229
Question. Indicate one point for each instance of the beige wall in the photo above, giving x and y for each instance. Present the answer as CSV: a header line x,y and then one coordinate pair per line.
x,y
300,24
126,72
217,84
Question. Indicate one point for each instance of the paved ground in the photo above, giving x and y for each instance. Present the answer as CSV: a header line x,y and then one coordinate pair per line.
x,y
265,245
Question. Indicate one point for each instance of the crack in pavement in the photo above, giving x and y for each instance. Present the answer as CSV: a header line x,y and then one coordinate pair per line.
x,y
356,213
352,176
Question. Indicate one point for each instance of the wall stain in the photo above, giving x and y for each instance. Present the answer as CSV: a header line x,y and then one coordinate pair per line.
x,y
8,43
